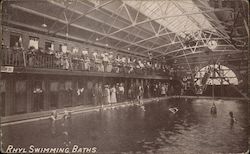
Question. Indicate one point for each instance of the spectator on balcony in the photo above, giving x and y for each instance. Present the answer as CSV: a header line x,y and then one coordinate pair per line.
x,y
86,60
101,68
81,60
93,62
16,47
75,59
99,63
116,64
31,56
130,66
123,64
87,63
141,66
65,62
105,61
58,56
149,67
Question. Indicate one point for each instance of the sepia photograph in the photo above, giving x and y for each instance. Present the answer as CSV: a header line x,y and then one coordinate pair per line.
x,y
125,76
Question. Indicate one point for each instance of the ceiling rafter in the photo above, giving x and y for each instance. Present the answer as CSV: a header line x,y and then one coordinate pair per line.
x,y
201,46
98,20
162,17
177,42
84,14
138,12
163,34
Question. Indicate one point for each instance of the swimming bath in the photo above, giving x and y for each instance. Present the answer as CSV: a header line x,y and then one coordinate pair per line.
x,y
132,129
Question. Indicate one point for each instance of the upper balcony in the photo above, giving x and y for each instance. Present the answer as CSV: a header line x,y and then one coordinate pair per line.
x,y
38,62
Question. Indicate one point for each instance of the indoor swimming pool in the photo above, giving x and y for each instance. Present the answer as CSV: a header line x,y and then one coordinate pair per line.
x,y
151,128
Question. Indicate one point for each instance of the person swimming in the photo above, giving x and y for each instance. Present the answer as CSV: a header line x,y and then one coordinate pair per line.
x,y
173,110
231,114
66,127
213,109
53,119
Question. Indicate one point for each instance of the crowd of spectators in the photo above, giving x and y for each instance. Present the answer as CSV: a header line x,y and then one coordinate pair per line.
x,y
103,94
86,60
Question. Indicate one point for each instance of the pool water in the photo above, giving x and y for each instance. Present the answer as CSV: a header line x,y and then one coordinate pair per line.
x,y
152,129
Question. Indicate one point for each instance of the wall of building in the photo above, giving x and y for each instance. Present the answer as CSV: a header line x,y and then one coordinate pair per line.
x,y
18,91
57,41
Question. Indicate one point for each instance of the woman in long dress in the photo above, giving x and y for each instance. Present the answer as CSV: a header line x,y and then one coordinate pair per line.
x,y
113,95
106,95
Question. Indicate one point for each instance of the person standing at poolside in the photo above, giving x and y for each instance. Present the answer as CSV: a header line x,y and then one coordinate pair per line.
x,y
100,95
94,93
113,95
106,95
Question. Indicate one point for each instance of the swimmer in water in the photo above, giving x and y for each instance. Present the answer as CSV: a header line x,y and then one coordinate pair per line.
x,y
213,109
53,119
173,110
143,108
231,114
66,127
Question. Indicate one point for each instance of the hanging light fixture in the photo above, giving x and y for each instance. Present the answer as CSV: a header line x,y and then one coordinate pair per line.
x,y
44,25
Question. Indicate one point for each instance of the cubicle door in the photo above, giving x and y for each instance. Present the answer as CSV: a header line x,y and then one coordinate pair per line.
x,y
2,96
20,103
53,94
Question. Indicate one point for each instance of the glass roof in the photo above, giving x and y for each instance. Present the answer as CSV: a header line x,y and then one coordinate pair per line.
x,y
168,9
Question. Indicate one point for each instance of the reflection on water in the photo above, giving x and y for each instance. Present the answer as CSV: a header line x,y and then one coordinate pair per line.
x,y
154,129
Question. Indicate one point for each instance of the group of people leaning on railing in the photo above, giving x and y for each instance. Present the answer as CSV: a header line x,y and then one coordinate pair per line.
x,y
87,61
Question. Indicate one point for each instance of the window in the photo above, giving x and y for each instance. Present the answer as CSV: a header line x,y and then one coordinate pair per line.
x,y
15,40
49,45
218,75
33,42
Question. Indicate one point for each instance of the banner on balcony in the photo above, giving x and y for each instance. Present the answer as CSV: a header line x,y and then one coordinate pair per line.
x,y
7,69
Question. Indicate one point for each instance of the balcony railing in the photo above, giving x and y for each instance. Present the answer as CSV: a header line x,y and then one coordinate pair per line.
x,y
21,58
